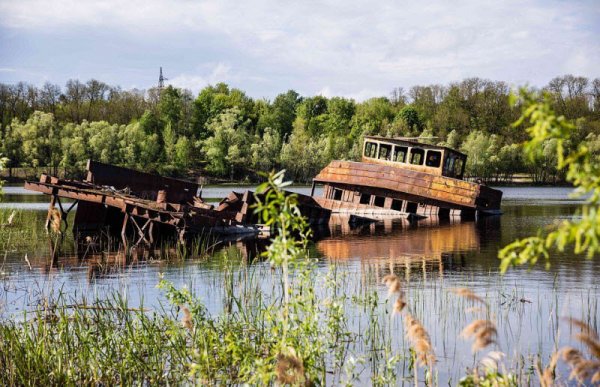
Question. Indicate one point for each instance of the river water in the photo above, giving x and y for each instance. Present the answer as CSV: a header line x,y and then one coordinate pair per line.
x,y
527,304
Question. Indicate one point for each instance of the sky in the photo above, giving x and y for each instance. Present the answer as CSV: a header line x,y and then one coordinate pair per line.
x,y
355,49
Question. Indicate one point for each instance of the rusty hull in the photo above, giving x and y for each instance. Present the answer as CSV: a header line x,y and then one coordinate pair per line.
x,y
437,192
133,202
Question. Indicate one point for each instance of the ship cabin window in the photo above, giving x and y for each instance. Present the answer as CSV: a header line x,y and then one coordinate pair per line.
x,y
371,149
411,207
458,168
400,154
416,156
454,166
385,152
397,205
434,158
449,166
365,199
337,194
379,201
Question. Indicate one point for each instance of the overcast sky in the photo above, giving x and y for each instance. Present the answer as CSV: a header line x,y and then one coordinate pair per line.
x,y
350,48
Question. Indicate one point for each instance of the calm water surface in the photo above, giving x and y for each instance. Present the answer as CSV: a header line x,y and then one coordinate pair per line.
x,y
526,304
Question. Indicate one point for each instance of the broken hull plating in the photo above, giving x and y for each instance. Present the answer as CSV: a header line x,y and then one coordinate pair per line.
x,y
375,190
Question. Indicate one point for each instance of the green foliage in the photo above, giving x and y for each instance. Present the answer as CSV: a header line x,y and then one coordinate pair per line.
x,y
38,139
410,116
481,150
302,155
265,152
3,162
227,148
582,169
488,378
50,126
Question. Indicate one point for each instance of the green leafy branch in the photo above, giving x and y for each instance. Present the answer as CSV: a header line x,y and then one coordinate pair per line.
x,y
3,162
582,170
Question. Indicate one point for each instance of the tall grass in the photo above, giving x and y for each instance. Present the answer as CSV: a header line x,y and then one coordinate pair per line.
x,y
298,325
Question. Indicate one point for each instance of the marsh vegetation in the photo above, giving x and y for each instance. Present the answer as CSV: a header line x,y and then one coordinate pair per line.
x,y
394,303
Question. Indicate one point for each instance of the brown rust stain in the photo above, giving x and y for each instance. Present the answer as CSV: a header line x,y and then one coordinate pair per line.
x,y
397,179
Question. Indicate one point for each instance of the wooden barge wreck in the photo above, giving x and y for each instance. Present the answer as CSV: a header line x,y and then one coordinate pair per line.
x,y
403,177
139,206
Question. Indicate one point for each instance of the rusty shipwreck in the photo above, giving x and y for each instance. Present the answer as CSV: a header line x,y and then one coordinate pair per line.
x,y
403,177
139,207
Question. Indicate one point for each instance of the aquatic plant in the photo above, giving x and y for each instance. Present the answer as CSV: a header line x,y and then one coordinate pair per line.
x,y
582,169
3,162
483,332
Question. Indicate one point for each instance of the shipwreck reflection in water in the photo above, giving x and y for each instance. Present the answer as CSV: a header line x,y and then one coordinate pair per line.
x,y
389,245
399,246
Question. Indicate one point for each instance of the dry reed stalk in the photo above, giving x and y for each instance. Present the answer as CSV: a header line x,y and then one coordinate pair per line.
x,y
420,341
55,219
546,376
393,283
583,369
591,342
289,370
483,331
186,320
468,294
10,218
584,327
399,305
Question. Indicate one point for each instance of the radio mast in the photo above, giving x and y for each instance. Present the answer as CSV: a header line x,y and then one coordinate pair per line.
x,y
161,80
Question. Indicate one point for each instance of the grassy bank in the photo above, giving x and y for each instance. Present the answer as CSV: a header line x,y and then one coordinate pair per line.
x,y
283,321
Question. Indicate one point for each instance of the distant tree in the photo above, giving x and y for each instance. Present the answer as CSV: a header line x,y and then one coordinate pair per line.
x,y
452,140
170,108
212,101
73,100
183,153
228,146
302,155
75,146
50,97
94,95
279,115
103,142
481,150
140,150
284,112
265,152
39,140
339,116
398,97
312,112
151,123
373,116
410,116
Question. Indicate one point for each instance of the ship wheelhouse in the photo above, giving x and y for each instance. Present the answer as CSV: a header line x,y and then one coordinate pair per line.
x,y
404,153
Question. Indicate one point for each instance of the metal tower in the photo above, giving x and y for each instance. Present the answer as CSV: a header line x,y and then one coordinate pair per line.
x,y
161,80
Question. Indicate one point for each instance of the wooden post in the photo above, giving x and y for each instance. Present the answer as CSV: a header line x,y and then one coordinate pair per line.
x,y
124,231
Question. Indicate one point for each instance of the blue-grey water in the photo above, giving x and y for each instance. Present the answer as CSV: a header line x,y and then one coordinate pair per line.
x,y
527,303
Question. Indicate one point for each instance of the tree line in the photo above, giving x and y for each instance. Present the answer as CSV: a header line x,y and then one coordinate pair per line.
x,y
222,132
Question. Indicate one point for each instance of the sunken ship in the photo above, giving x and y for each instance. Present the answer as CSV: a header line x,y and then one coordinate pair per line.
x,y
404,177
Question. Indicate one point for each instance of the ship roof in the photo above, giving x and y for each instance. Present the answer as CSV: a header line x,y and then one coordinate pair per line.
x,y
411,141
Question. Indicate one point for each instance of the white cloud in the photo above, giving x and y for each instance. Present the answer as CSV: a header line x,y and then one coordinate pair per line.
x,y
219,73
354,47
